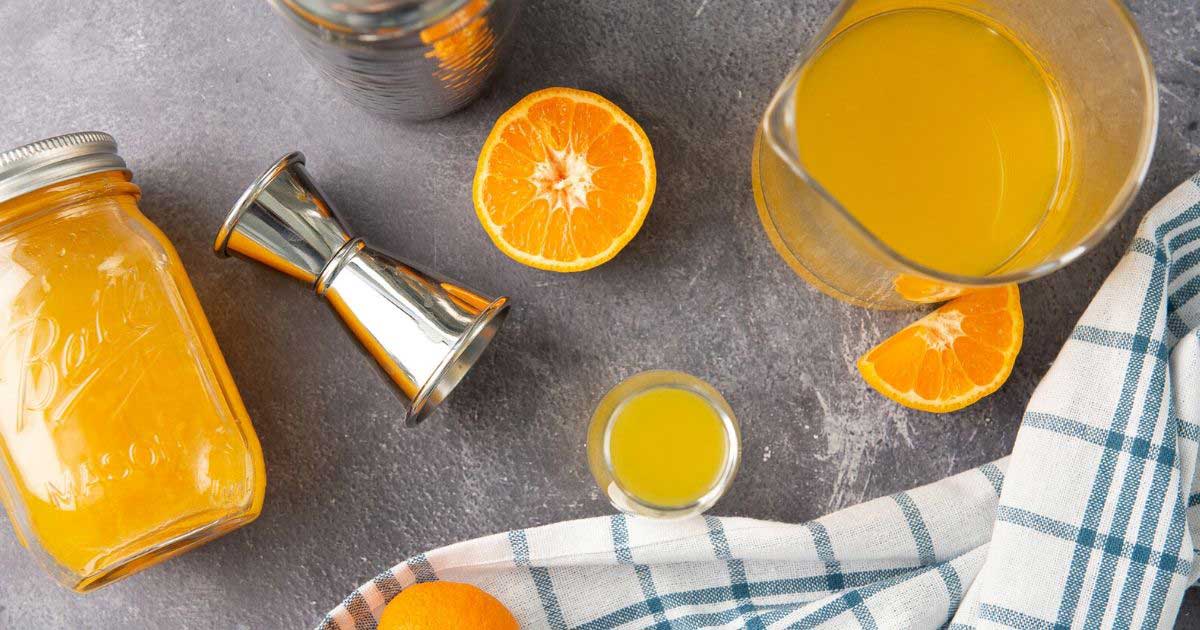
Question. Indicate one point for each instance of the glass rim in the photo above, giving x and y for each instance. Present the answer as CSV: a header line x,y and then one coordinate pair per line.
x,y
785,147
628,389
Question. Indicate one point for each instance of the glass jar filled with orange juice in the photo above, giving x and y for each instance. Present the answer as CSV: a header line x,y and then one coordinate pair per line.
x,y
122,437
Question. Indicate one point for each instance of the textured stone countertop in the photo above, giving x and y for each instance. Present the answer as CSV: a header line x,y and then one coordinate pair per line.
x,y
202,96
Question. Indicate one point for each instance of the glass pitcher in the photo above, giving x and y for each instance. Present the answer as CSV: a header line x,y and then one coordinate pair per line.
x,y
1106,91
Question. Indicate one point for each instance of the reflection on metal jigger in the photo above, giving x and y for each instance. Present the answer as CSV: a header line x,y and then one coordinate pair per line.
x,y
424,331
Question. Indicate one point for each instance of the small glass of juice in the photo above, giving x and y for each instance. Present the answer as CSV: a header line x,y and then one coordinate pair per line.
x,y
663,444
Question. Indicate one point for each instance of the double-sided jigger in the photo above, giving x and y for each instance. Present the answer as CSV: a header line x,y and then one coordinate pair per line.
x,y
424,331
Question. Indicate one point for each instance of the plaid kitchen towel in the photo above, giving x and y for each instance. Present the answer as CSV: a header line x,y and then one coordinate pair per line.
x,y
1088,524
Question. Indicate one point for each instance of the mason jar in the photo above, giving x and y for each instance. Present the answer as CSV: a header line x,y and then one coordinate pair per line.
x,y
122,438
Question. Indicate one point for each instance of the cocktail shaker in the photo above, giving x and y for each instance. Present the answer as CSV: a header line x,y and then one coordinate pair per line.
x,y
406,59
425,332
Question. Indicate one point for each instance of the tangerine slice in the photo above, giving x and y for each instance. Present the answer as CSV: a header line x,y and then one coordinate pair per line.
x,y
564,180
925,291
953,356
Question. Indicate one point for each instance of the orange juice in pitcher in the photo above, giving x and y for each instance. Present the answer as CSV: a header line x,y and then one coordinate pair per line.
x,y
939,132
939,145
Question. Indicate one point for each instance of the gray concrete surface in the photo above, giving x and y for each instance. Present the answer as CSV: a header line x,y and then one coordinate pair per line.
x,y
201,97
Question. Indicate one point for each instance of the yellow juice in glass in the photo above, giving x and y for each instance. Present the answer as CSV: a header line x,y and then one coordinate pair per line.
x,y
663,444
924,147
667,446
938,132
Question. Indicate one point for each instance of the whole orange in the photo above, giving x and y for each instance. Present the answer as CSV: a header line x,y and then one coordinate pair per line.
x,y
445,606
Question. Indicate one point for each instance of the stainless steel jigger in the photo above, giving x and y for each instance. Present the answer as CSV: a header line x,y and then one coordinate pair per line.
x,y
425,332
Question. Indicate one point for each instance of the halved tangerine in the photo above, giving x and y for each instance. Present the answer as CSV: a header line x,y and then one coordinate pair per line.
x,y
953,356
564,181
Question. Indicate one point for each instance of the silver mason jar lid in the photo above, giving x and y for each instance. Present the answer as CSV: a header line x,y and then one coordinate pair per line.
x,y
45,162
368,19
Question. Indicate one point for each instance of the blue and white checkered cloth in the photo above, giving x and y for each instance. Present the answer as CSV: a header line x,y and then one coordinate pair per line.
x,y
1089,523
